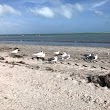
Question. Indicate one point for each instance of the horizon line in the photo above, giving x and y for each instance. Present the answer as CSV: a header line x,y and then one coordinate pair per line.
x,y
56,33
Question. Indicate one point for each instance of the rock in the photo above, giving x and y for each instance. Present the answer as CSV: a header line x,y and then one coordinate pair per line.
x,y
107,80
5,98
69,63
65,78
84,66
17,56
1,58
93,79
6,62
21,62
76,65
102,80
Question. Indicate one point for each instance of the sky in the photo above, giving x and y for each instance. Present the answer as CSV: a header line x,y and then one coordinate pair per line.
x,y
54,16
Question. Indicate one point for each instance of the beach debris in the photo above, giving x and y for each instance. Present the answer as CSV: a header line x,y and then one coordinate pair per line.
x,y
102,80
40,55
53,59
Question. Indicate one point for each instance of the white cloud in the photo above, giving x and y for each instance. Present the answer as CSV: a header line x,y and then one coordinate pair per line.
x,y
78,7
66,10
6,9
44,11
99,4
98,12
69,10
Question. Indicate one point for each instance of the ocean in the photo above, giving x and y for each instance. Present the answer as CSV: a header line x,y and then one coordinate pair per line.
x,y
75,39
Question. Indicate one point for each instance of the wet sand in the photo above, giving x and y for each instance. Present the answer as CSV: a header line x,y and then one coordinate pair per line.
x,y
27,84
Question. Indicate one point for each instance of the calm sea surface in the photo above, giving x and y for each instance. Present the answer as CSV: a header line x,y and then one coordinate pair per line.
x,y
76,39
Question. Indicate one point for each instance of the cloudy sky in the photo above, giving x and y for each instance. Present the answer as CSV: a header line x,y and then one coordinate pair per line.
x,y
54,16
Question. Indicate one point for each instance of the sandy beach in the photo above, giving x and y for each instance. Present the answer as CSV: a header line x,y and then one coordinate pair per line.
x,y
31,84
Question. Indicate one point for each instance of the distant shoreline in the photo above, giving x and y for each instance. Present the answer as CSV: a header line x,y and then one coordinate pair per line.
x,y
57,33
71,39
72,44
99,45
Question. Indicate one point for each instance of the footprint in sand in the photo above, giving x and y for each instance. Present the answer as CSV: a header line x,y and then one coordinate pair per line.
x,y
103,68
84,65
107,106
102,61
69,63
50,69
32,67
76,64
100,102
93,67
86,98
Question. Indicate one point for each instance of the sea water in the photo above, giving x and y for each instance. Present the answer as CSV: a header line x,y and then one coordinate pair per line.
x,y
73,39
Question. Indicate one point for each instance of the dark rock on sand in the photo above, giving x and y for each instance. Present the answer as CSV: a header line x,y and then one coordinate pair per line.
x,y
76,65
1,58
102,80
21,62
6,62
17,56
15,48
107,80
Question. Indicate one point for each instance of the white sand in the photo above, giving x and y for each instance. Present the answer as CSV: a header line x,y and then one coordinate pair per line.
x,y
37,85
